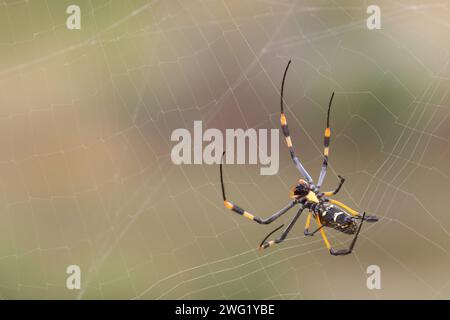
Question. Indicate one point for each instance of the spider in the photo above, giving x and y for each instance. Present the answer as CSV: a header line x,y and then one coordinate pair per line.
x,y
326,211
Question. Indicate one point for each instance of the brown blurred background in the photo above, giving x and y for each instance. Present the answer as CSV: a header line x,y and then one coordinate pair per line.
x,y
85,123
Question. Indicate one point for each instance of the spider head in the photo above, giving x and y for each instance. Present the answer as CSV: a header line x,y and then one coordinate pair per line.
x,y
303,190
300,190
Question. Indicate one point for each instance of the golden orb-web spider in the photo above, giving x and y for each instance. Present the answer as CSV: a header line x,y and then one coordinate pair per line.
x,y
327,212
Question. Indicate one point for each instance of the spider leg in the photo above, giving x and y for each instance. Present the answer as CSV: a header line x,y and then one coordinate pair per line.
x,y
326,143
341,252
354,213
307,233
266,244
345,207
307,224
332,193
286,134
245,213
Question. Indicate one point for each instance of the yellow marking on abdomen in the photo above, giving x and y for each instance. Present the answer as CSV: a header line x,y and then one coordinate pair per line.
x,y
327,132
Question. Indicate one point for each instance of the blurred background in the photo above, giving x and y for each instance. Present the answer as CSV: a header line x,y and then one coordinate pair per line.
x,y
85,171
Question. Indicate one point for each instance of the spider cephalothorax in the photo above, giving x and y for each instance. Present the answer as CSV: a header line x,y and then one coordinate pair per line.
x,y
301,189
326,211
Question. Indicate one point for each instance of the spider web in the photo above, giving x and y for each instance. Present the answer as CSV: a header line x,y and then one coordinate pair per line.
x,y
85,170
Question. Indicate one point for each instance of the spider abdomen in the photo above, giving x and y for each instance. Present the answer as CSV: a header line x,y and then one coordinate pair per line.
x,y
335,217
